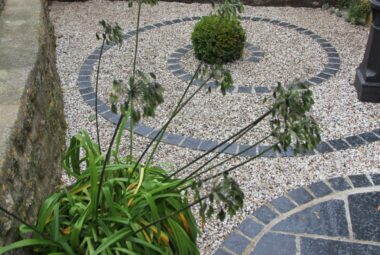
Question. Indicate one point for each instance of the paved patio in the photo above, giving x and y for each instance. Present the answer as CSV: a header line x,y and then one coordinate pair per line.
x,y
336,216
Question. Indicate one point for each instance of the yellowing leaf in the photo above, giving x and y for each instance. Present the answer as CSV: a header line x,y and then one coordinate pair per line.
x,y
66,231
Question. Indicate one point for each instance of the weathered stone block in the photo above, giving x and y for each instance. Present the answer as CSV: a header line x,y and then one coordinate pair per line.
x,y
31,150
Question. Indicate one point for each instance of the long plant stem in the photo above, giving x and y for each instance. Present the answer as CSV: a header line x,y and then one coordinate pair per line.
x,y
12,215
175,114
137,40
101,179
221,151
238,165
204,197
96,96
131,131
230,158
243,130
36,231
221,163
162,130
132,84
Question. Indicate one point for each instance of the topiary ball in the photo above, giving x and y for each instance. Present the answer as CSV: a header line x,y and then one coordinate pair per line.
x,y
217,40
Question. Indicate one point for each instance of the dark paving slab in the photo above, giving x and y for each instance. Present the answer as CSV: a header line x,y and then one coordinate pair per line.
x,y
264,214
236,243
283,204
320,189
329,247
339,183
250,228
317,226
365,215
376,179
328,218
300,196
360,181
222,252
275,244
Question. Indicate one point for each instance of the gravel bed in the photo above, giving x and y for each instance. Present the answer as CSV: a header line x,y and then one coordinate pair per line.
x,y
337,110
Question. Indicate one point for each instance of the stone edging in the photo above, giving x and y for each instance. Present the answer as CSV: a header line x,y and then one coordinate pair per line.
x,y
88,94
331,68
265,226
174,66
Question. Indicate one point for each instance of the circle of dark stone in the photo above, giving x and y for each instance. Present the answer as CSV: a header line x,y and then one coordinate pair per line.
x,y
174,66
331,68
335,216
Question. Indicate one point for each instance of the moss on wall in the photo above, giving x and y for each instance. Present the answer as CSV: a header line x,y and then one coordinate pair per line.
x,y
31,167
2,3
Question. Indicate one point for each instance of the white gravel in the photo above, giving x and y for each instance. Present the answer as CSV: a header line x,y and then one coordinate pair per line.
x,y
287,55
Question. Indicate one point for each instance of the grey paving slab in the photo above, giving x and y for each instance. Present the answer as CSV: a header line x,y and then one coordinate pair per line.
x,y
236,243
250,228
264,214
369,137
318,226
283,204
300,196
339,184
365,215
375,179
311,246
320,189
222,252
275,244
327,218
324,147
360,180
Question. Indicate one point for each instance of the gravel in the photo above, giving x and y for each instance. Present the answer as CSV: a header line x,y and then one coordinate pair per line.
x,y
288,55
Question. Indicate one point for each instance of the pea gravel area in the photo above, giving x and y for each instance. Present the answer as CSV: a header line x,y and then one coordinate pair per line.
x,y
288,55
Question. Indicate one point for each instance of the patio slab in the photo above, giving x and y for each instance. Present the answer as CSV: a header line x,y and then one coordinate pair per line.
x,y
342,221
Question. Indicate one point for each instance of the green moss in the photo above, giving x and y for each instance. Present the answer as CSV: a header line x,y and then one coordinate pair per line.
x,y
2,3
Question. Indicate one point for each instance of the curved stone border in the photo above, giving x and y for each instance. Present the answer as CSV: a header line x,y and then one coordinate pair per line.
x,y
174,66
88,94
325,217
330,69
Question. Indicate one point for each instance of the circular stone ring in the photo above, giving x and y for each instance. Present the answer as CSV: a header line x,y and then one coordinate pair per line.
x,y
330,69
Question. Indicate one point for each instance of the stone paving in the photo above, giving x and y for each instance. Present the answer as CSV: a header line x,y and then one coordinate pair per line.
x,y
336,216
330,69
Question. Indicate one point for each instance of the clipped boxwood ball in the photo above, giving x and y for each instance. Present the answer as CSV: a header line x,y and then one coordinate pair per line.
x,y
218,40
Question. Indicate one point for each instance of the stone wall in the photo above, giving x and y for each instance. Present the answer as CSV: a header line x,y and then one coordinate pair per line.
x,y
2,3
33,121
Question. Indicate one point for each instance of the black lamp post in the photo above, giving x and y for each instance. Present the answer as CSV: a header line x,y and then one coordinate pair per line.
x,y
367,80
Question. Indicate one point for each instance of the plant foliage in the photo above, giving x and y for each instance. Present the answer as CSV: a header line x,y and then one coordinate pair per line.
x,y
127,204
359,11
218,40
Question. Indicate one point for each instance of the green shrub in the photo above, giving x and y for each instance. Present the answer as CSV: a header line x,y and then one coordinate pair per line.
x,y
217,40
342,4
359,11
